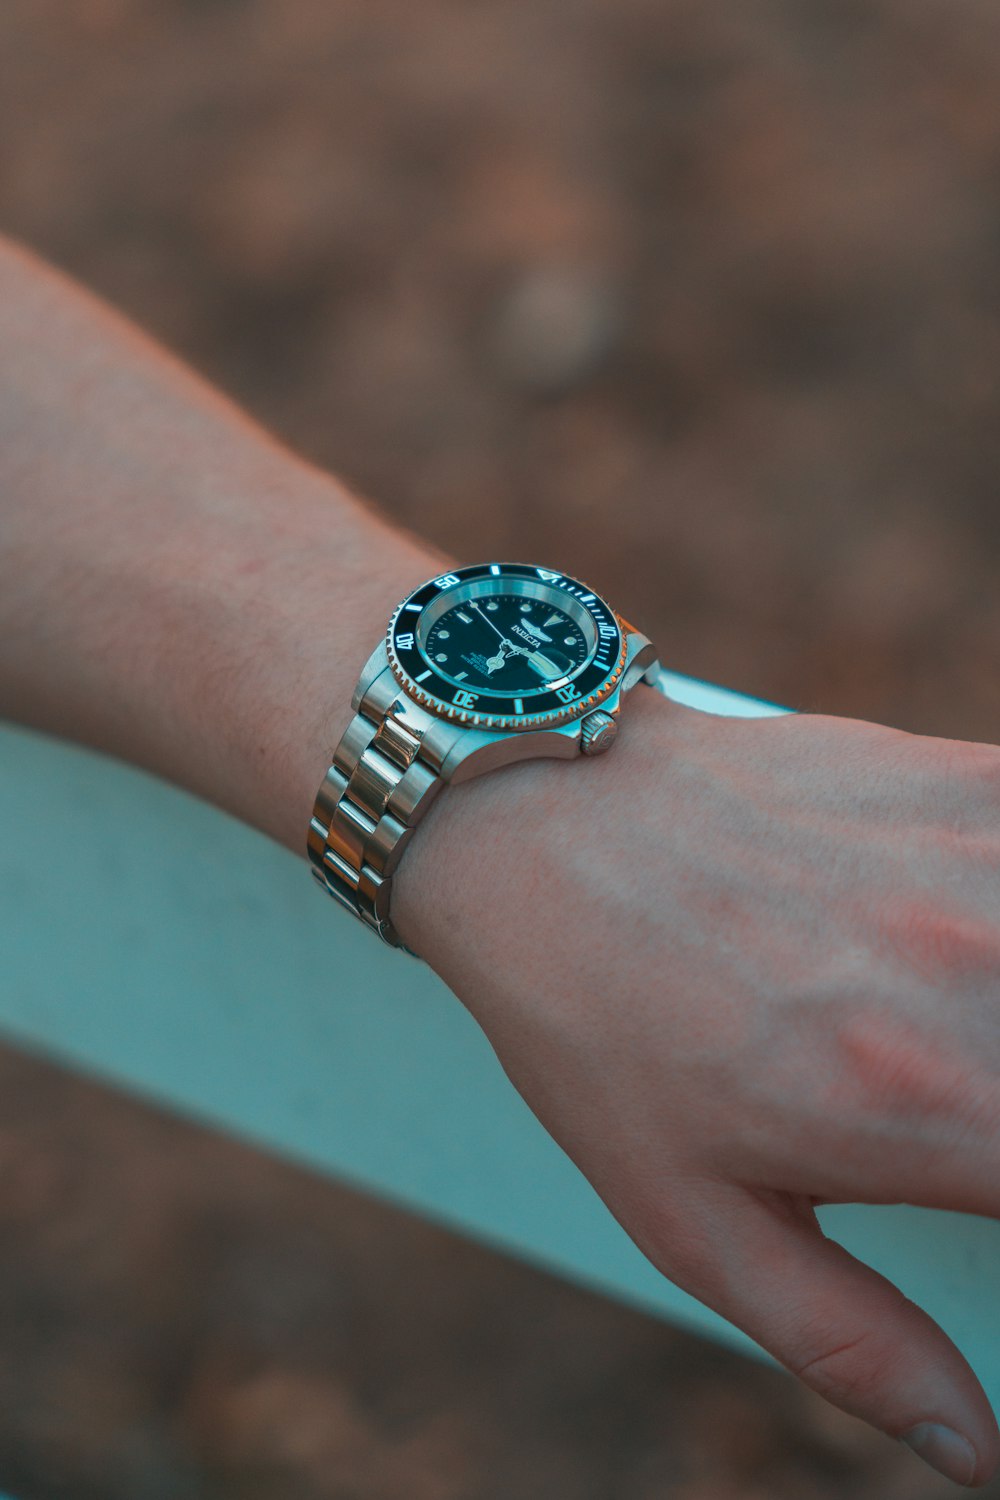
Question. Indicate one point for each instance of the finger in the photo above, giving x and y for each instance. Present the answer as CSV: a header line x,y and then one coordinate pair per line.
x,y
920,1113
845,1330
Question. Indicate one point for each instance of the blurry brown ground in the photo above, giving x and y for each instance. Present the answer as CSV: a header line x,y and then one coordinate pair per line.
x,y
699,300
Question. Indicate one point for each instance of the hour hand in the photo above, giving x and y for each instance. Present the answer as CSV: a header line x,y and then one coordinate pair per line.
x,y
508,647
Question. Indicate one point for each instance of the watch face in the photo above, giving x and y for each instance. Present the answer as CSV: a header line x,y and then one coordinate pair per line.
x,y
506,645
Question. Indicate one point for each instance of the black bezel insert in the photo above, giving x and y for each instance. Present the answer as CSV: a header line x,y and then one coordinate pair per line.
x,y
436,692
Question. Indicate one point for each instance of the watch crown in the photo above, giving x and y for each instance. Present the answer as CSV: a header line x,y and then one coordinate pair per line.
x,y
597,732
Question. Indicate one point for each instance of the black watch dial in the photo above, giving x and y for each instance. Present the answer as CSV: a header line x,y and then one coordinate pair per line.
x,y
508,645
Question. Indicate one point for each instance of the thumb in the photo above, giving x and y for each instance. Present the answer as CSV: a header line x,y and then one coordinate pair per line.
x,y
848,1332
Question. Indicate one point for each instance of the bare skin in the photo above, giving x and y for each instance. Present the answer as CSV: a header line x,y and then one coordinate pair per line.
x,y
756,960
772,987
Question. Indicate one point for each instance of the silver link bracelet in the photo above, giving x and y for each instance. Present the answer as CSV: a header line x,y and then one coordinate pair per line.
x,y
369,804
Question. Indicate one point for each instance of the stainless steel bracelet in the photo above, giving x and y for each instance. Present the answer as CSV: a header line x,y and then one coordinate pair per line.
x,y
395,756
383,778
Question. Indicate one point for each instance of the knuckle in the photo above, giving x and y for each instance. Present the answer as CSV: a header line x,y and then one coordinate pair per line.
x,y
669,1224
849,1370
911,1074
943,946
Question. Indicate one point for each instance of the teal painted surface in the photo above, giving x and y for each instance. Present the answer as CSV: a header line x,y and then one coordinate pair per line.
x,y
173,950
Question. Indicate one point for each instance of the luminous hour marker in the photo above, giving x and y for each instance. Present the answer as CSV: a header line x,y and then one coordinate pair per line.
x,y
570,639
552,620
461,676
466,618
491,605
526,607
422,676
519,705
414,606
493,568
442,635
441,656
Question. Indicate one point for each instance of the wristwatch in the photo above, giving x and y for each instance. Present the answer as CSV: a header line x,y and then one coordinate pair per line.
x,y
490,664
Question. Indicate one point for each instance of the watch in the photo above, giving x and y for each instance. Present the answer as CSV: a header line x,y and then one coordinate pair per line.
x,y
490,664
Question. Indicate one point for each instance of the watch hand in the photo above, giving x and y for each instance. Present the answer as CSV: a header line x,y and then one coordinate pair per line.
x,y
509,644
541,664
494,662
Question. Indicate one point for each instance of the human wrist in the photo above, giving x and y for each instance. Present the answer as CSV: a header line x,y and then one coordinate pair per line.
x,y
219,648
309,597
176,588
493,857
258,635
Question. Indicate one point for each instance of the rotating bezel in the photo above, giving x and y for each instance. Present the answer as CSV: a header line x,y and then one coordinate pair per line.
x,y
422,681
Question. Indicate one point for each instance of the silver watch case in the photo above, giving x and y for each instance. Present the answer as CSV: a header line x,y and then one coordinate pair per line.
x,y
457,752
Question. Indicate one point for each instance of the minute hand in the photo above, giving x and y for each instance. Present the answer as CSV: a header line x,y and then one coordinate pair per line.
x,y
535,659
509,644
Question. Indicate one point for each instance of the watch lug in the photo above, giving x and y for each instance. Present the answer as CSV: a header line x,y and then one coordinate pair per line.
x,y
478,751
382,693
376,663
641,660
459,753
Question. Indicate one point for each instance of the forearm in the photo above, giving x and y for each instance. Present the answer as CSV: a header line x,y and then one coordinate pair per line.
x,y
176,588
713,963
179,591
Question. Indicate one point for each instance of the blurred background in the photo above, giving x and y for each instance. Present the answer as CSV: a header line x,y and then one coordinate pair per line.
x,y
700,299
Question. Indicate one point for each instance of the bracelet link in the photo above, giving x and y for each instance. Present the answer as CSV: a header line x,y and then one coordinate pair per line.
x,y
396,742
368,806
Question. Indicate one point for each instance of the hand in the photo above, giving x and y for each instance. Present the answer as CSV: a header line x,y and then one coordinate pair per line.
x,y
739,968
540,663
535,659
